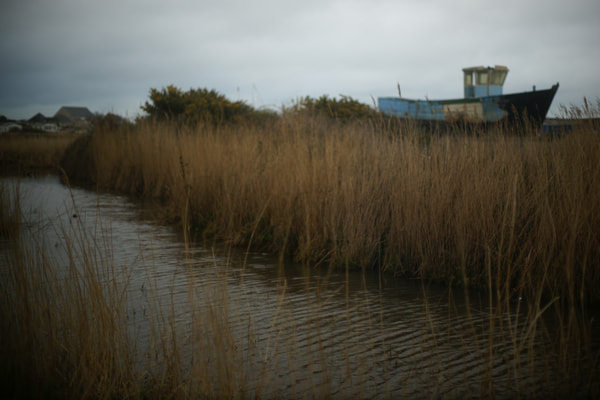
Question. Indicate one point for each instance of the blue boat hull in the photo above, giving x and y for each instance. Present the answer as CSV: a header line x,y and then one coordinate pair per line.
x,y
515,108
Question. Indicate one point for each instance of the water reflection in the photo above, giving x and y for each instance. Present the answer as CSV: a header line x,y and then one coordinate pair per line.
x,y
297,331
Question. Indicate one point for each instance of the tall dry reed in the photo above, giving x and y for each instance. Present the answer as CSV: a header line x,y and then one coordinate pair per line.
x,y
440,208
26,151
61,333
67,333
517,215
70,329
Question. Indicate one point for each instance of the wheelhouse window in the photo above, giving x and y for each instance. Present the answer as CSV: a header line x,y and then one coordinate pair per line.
x,y
498,76
469,78
482,77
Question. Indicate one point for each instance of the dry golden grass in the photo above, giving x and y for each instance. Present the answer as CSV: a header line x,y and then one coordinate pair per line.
x,y
62,333
362,194
24,151
68,330
67,334
519,216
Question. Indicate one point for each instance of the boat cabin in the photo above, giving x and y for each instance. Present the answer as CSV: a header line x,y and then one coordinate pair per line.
x,y
484,81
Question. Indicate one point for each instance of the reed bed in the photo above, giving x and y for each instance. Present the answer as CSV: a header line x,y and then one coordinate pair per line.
x,y
516,216
70,329
69,332
61,335
373,195
29,151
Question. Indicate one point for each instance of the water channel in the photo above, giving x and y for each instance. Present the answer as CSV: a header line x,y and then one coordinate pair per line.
x,y
295,331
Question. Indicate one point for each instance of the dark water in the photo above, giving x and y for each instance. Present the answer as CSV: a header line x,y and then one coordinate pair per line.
x,y
295,331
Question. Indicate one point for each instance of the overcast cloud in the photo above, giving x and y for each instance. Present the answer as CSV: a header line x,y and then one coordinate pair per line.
x,y
107,55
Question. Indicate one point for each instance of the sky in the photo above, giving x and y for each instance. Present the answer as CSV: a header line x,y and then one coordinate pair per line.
x,y
107,55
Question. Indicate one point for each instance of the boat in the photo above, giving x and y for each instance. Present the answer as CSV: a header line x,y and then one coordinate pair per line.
x,y
483,104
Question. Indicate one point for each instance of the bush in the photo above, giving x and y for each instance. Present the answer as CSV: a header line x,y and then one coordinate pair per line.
x,y
345,109
195,105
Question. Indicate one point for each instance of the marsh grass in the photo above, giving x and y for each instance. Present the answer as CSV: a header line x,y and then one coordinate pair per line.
x,y
67,328
517,217
374,194
61,335
9,221
28,151
69,332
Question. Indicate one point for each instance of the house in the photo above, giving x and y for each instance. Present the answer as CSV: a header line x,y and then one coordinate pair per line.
x,y
38,118
9,127
41,122
74,117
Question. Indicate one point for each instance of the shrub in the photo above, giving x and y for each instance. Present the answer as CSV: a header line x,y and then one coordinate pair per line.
x,y
195,105
346,108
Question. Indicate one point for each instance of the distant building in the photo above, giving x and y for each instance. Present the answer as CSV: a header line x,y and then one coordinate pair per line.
x,y
43,123
74,117
10,126
38,118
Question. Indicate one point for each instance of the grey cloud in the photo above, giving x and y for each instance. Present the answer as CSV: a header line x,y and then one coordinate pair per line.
x,y
109,54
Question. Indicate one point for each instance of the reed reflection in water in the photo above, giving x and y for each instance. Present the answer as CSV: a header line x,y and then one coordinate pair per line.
x,y
242,324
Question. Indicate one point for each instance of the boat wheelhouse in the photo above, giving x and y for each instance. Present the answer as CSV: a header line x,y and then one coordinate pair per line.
x,y
483,103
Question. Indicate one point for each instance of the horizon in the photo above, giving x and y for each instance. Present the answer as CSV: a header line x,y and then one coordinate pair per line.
x,y
142,113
